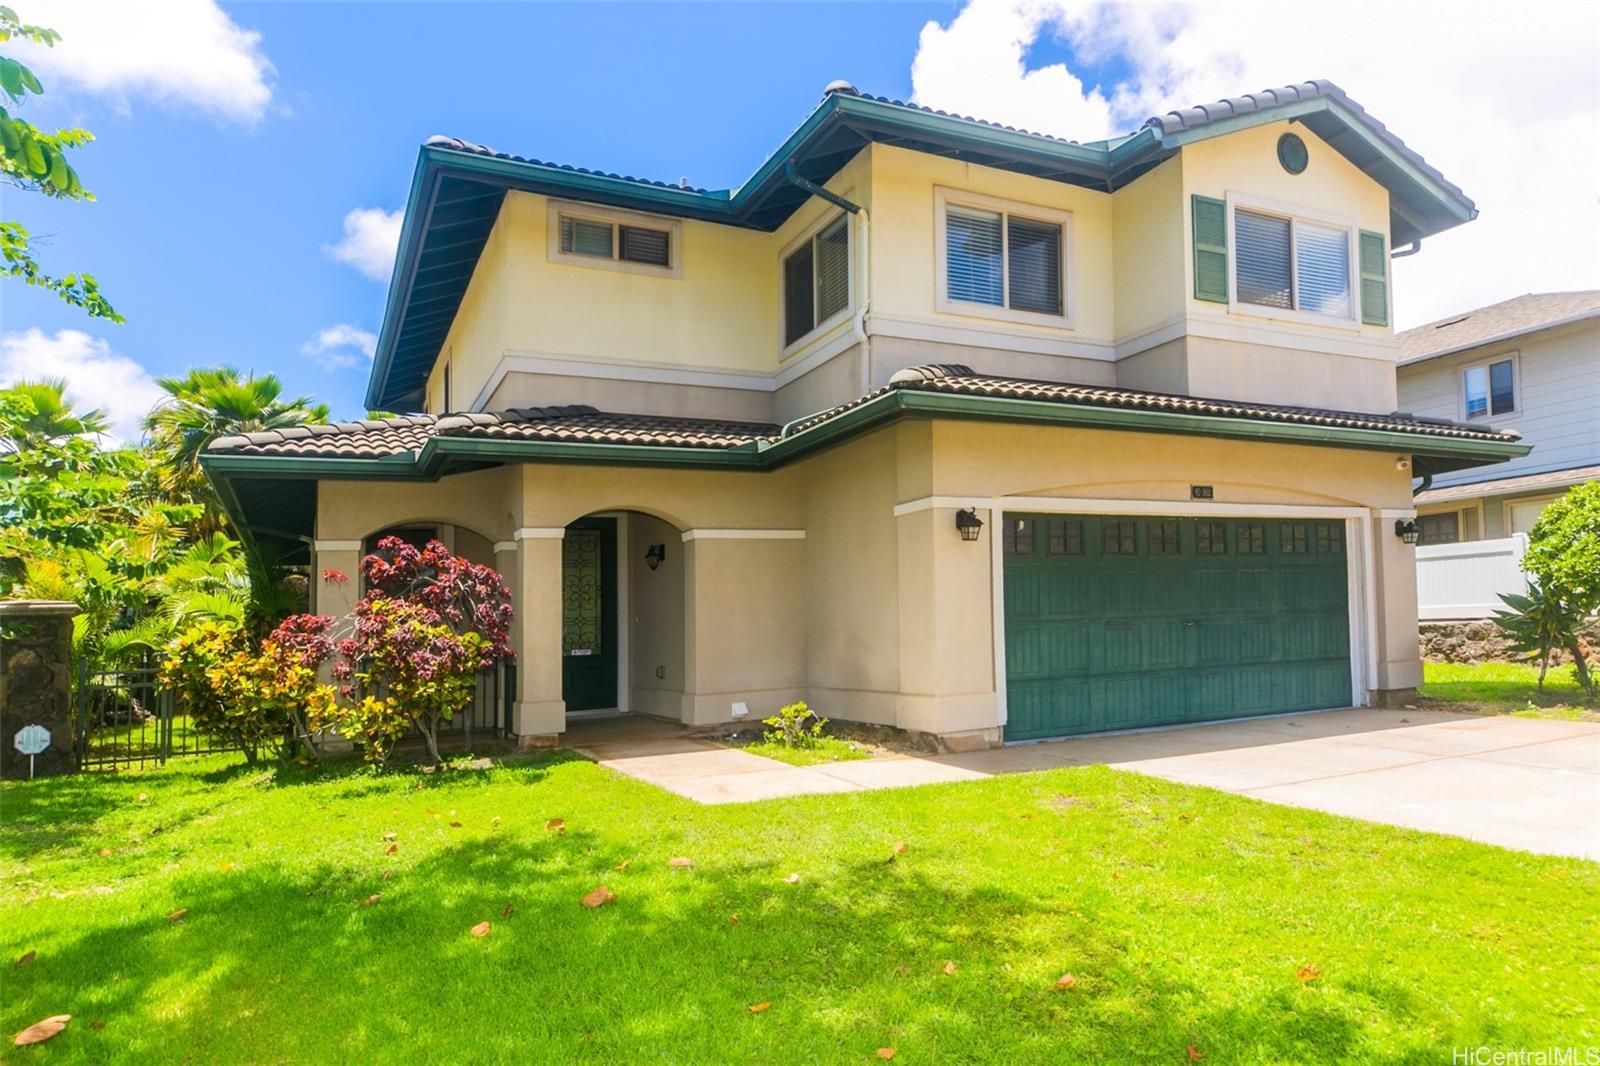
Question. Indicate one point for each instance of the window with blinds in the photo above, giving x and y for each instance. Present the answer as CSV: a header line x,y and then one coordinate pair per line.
x,y
816,280
998,259
1292,264
1490,390
617,242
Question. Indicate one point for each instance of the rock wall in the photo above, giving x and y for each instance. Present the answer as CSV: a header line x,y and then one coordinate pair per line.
x,y
1484,642
36,684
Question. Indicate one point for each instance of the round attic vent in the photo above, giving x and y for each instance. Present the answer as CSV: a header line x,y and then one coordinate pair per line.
x,y
1292,153
839,85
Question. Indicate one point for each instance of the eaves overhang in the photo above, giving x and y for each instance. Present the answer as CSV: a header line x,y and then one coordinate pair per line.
x,y
443,455
457,190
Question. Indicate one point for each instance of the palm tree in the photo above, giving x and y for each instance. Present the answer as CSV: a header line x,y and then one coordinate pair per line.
x,y
38,411
210,403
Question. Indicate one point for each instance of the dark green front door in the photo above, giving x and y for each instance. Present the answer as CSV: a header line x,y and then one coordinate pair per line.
x,y
589,615
1119,623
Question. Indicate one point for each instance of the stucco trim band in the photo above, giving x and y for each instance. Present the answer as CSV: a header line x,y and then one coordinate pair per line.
x,y
744,534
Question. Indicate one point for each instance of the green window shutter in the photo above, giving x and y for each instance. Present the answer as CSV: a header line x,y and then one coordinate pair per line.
x,y
1210,249
1374,280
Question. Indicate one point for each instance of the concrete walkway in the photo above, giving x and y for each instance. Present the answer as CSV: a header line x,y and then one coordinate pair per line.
x,y
1532,784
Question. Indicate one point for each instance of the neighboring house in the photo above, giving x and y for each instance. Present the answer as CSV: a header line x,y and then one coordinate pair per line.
x,y
934,423
1529,364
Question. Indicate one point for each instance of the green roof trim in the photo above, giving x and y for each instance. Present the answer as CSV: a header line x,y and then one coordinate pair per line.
x,y
457,189
441,456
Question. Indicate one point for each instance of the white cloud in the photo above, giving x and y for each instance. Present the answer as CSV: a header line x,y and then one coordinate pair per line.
x,y
1507,107
96,376
340,347
185,52
371,236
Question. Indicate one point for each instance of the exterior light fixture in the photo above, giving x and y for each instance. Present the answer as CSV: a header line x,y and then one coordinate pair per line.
x,y
968,524
1406,529
655,555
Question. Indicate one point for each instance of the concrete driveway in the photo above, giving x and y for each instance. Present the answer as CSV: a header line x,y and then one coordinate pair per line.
x,y
1525,783
1521,783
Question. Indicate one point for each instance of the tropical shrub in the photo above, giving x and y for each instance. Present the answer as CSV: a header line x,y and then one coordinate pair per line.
x,y
794,726
253,695
1563,565
1536,625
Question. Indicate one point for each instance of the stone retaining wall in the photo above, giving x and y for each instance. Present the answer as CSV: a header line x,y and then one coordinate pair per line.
x,y
1484,642
36,684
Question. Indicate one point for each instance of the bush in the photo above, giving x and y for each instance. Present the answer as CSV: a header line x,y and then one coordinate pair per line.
x,y
1563,563
251,695
794,726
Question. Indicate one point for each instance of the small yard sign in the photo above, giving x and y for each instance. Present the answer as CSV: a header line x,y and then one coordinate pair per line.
x,y
30,741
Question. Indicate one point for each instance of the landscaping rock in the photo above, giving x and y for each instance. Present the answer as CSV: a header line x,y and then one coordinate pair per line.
x,y
1484,642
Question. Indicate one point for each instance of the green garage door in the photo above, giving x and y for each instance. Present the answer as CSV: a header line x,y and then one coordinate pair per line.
x,y
1118,623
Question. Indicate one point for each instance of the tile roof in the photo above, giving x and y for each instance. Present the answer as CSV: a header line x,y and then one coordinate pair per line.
x,y
460,145
585,425
1504,320
575,424
955,379
1553,479
1202,115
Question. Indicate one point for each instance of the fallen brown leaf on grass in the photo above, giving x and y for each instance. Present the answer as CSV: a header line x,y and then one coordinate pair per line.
x,y
623,865
387,874
950,968
39,1032
431,812
733,919
792,879
105,853
389,836
455,825
1308,973
598,898
1193,1053
1065,981
144,797
25,960
97,1025
505,912
680,862
481,929
900,847
370,900
757,1008
904,971
177,915
885,1053
557,824
392,849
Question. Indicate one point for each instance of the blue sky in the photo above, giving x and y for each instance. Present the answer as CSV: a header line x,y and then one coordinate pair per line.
x,y
234,140
209,234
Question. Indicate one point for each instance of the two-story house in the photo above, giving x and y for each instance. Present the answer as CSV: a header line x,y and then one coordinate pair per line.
x,y
934,423
1530,364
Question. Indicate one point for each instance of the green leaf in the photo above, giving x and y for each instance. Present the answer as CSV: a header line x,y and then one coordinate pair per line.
x,y
11,77
31,81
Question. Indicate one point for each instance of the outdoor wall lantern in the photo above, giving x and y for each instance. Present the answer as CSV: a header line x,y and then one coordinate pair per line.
x,y
654,555
1406,530
968,524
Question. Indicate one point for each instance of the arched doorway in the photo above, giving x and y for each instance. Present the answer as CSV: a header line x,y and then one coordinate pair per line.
x,y
622,607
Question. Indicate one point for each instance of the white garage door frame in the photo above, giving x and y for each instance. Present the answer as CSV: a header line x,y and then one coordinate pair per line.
x,y
1360,566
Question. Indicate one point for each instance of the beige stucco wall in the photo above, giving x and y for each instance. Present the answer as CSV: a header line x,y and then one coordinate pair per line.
x,y
804,583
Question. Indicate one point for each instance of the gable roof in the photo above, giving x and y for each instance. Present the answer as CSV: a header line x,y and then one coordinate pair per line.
x,y
1503,321
458,186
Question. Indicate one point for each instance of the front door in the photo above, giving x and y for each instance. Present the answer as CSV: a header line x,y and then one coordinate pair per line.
x,y
589,615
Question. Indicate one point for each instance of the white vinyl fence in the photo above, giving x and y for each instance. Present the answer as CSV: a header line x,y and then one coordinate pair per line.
x,y
1466,580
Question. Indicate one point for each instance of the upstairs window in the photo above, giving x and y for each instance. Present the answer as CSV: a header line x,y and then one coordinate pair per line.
x,y
1490,390
816,280
1002,260
606,240
1292,264
591,236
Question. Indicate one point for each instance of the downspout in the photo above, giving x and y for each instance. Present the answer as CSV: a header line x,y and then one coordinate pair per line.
x,y
1427,483
858,325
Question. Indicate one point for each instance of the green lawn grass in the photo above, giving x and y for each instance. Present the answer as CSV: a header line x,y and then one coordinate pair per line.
x,y
823,749
1187,917
1509,688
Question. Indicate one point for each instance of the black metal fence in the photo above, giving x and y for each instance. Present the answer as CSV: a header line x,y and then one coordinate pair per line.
x,y
126,718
